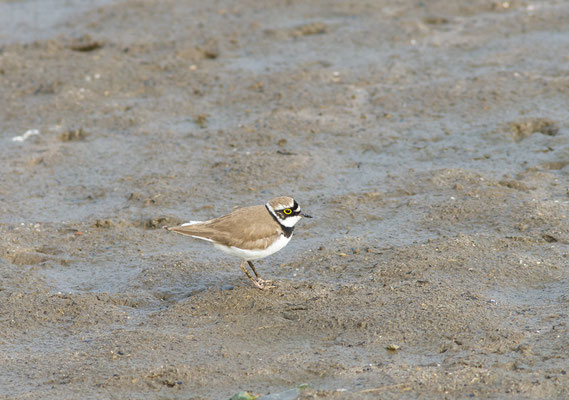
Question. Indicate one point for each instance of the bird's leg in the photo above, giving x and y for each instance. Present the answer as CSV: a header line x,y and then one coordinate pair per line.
x,y
255,281
265,284
253,268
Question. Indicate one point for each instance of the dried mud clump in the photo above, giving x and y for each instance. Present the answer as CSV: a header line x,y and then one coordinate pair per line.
x,y
73,135
523,129
314,28
85,44
201,120
209,49
47,88
161,221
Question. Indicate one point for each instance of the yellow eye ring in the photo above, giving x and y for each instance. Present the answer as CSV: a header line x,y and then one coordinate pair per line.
x,y
287,211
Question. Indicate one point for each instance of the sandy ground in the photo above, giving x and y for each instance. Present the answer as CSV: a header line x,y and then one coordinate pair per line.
x,y
430,140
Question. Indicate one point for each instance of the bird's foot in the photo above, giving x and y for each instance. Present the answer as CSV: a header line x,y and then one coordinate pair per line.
x,y
264,284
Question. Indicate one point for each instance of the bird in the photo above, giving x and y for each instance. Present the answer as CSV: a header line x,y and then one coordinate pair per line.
x,y
250,233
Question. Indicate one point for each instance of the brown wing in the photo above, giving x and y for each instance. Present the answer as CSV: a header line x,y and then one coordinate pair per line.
x,y
249,228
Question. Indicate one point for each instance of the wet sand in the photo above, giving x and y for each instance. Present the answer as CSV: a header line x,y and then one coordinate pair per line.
x,y
429,140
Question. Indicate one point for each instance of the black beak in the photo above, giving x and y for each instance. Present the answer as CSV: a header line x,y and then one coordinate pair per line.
x,y
305,215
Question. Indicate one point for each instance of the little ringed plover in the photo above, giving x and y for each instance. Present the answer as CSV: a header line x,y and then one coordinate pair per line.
x,y
249,233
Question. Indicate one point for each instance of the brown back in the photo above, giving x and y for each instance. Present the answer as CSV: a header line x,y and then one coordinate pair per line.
x,y
246,228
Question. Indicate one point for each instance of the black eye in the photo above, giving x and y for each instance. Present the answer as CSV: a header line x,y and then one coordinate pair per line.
x,y
287,211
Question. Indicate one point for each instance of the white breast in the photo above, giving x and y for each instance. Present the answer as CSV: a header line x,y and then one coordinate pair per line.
x,y
251,255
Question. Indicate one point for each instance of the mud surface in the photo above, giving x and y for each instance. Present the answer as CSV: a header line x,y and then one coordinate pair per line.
x,y
430,141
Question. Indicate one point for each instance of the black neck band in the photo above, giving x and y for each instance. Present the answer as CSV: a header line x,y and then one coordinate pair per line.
x,y
287,231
